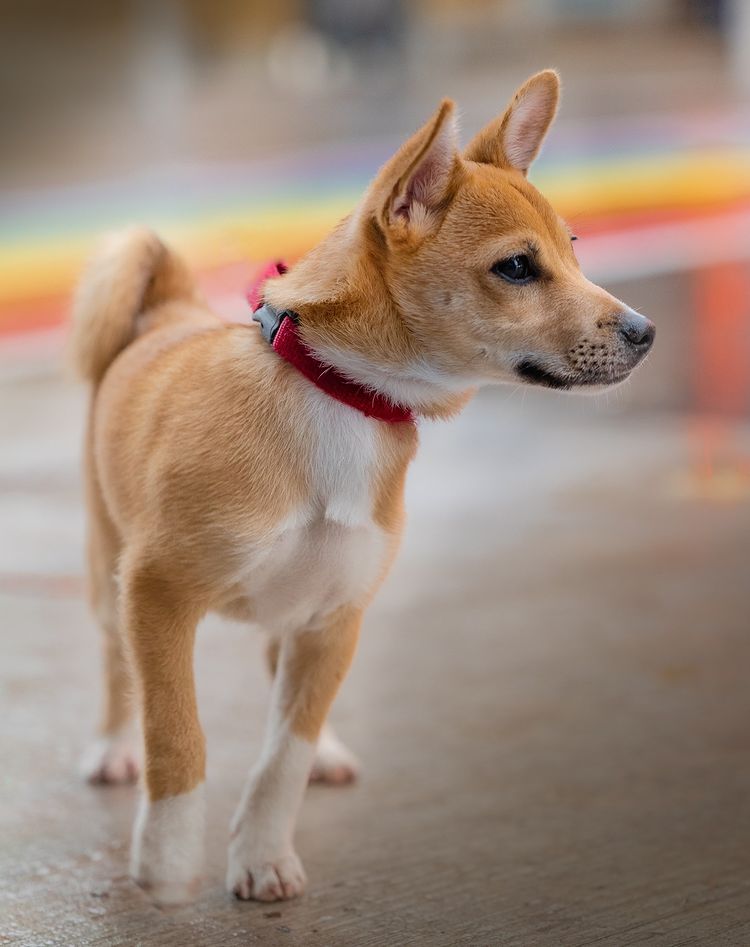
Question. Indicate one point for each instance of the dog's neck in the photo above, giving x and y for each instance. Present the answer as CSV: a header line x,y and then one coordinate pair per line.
x,y
349,320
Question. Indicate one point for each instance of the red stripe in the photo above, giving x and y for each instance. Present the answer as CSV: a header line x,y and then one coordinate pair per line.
x,y
721,359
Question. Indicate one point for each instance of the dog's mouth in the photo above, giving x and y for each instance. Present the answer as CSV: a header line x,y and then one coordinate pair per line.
x,y
534,373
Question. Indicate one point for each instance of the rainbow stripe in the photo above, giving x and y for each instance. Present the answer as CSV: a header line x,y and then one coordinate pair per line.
x,y
616,178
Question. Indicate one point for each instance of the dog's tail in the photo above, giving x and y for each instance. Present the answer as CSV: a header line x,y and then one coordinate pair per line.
x,y
132,272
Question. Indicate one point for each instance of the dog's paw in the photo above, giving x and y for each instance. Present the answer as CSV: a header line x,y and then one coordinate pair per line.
x,y
112,760
334,764
166,859
171,894
264,877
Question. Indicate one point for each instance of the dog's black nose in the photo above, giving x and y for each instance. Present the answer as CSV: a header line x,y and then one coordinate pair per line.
x,y
637,330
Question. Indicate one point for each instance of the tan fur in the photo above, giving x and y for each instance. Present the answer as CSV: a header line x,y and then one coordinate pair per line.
x,y
132,272
207,452
160,622
399,450
315,663
103,550
309,694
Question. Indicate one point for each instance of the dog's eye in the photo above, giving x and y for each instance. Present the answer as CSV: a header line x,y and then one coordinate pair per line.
x,y
516,269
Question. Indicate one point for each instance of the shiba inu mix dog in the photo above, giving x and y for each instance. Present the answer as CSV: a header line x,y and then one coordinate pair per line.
x,y
260,472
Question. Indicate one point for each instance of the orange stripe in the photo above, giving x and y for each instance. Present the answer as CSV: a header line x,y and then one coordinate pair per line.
x,y
721,366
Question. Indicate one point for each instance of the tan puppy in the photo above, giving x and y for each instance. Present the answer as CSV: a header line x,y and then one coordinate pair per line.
x,y
220,477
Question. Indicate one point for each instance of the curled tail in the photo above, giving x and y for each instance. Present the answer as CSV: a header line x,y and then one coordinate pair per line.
x,y
132,272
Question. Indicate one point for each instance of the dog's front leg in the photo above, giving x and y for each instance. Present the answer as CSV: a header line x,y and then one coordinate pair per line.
x,y
334,763
311,665
168,837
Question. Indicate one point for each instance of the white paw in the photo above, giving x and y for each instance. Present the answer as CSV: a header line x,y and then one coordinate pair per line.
x,y
264,877
166,859
334,764
112,759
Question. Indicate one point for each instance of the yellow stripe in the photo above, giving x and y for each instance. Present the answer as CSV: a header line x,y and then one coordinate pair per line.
x,y
692,181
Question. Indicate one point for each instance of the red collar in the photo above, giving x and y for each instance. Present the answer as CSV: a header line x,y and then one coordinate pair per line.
x,y
281,330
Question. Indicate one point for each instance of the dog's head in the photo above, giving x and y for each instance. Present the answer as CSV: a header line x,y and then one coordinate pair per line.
x,y
478,266
484,268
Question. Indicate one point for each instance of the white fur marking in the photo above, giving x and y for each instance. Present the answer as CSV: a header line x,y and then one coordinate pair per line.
x,y
262,862
328,553
306,573
415,386
334,763
343,458
112,758
168,841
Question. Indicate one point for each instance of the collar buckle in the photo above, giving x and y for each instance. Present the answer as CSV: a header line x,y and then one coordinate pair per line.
x,y
269,320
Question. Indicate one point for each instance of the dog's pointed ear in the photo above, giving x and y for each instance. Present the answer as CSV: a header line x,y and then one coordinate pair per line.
x,y
414,187
513,140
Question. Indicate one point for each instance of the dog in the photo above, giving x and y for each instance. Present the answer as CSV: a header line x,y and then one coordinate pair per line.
x,y
259,472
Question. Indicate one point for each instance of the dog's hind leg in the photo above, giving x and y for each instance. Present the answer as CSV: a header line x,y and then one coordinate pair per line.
x,y
114,756
334,763
168,836
311,665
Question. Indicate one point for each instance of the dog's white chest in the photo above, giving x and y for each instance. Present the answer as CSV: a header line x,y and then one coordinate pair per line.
x,y
309,572
329,552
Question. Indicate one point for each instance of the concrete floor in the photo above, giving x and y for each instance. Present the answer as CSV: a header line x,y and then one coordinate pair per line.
x,y
550,701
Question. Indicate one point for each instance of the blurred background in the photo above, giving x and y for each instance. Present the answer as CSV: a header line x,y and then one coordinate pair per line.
x,y
578,567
